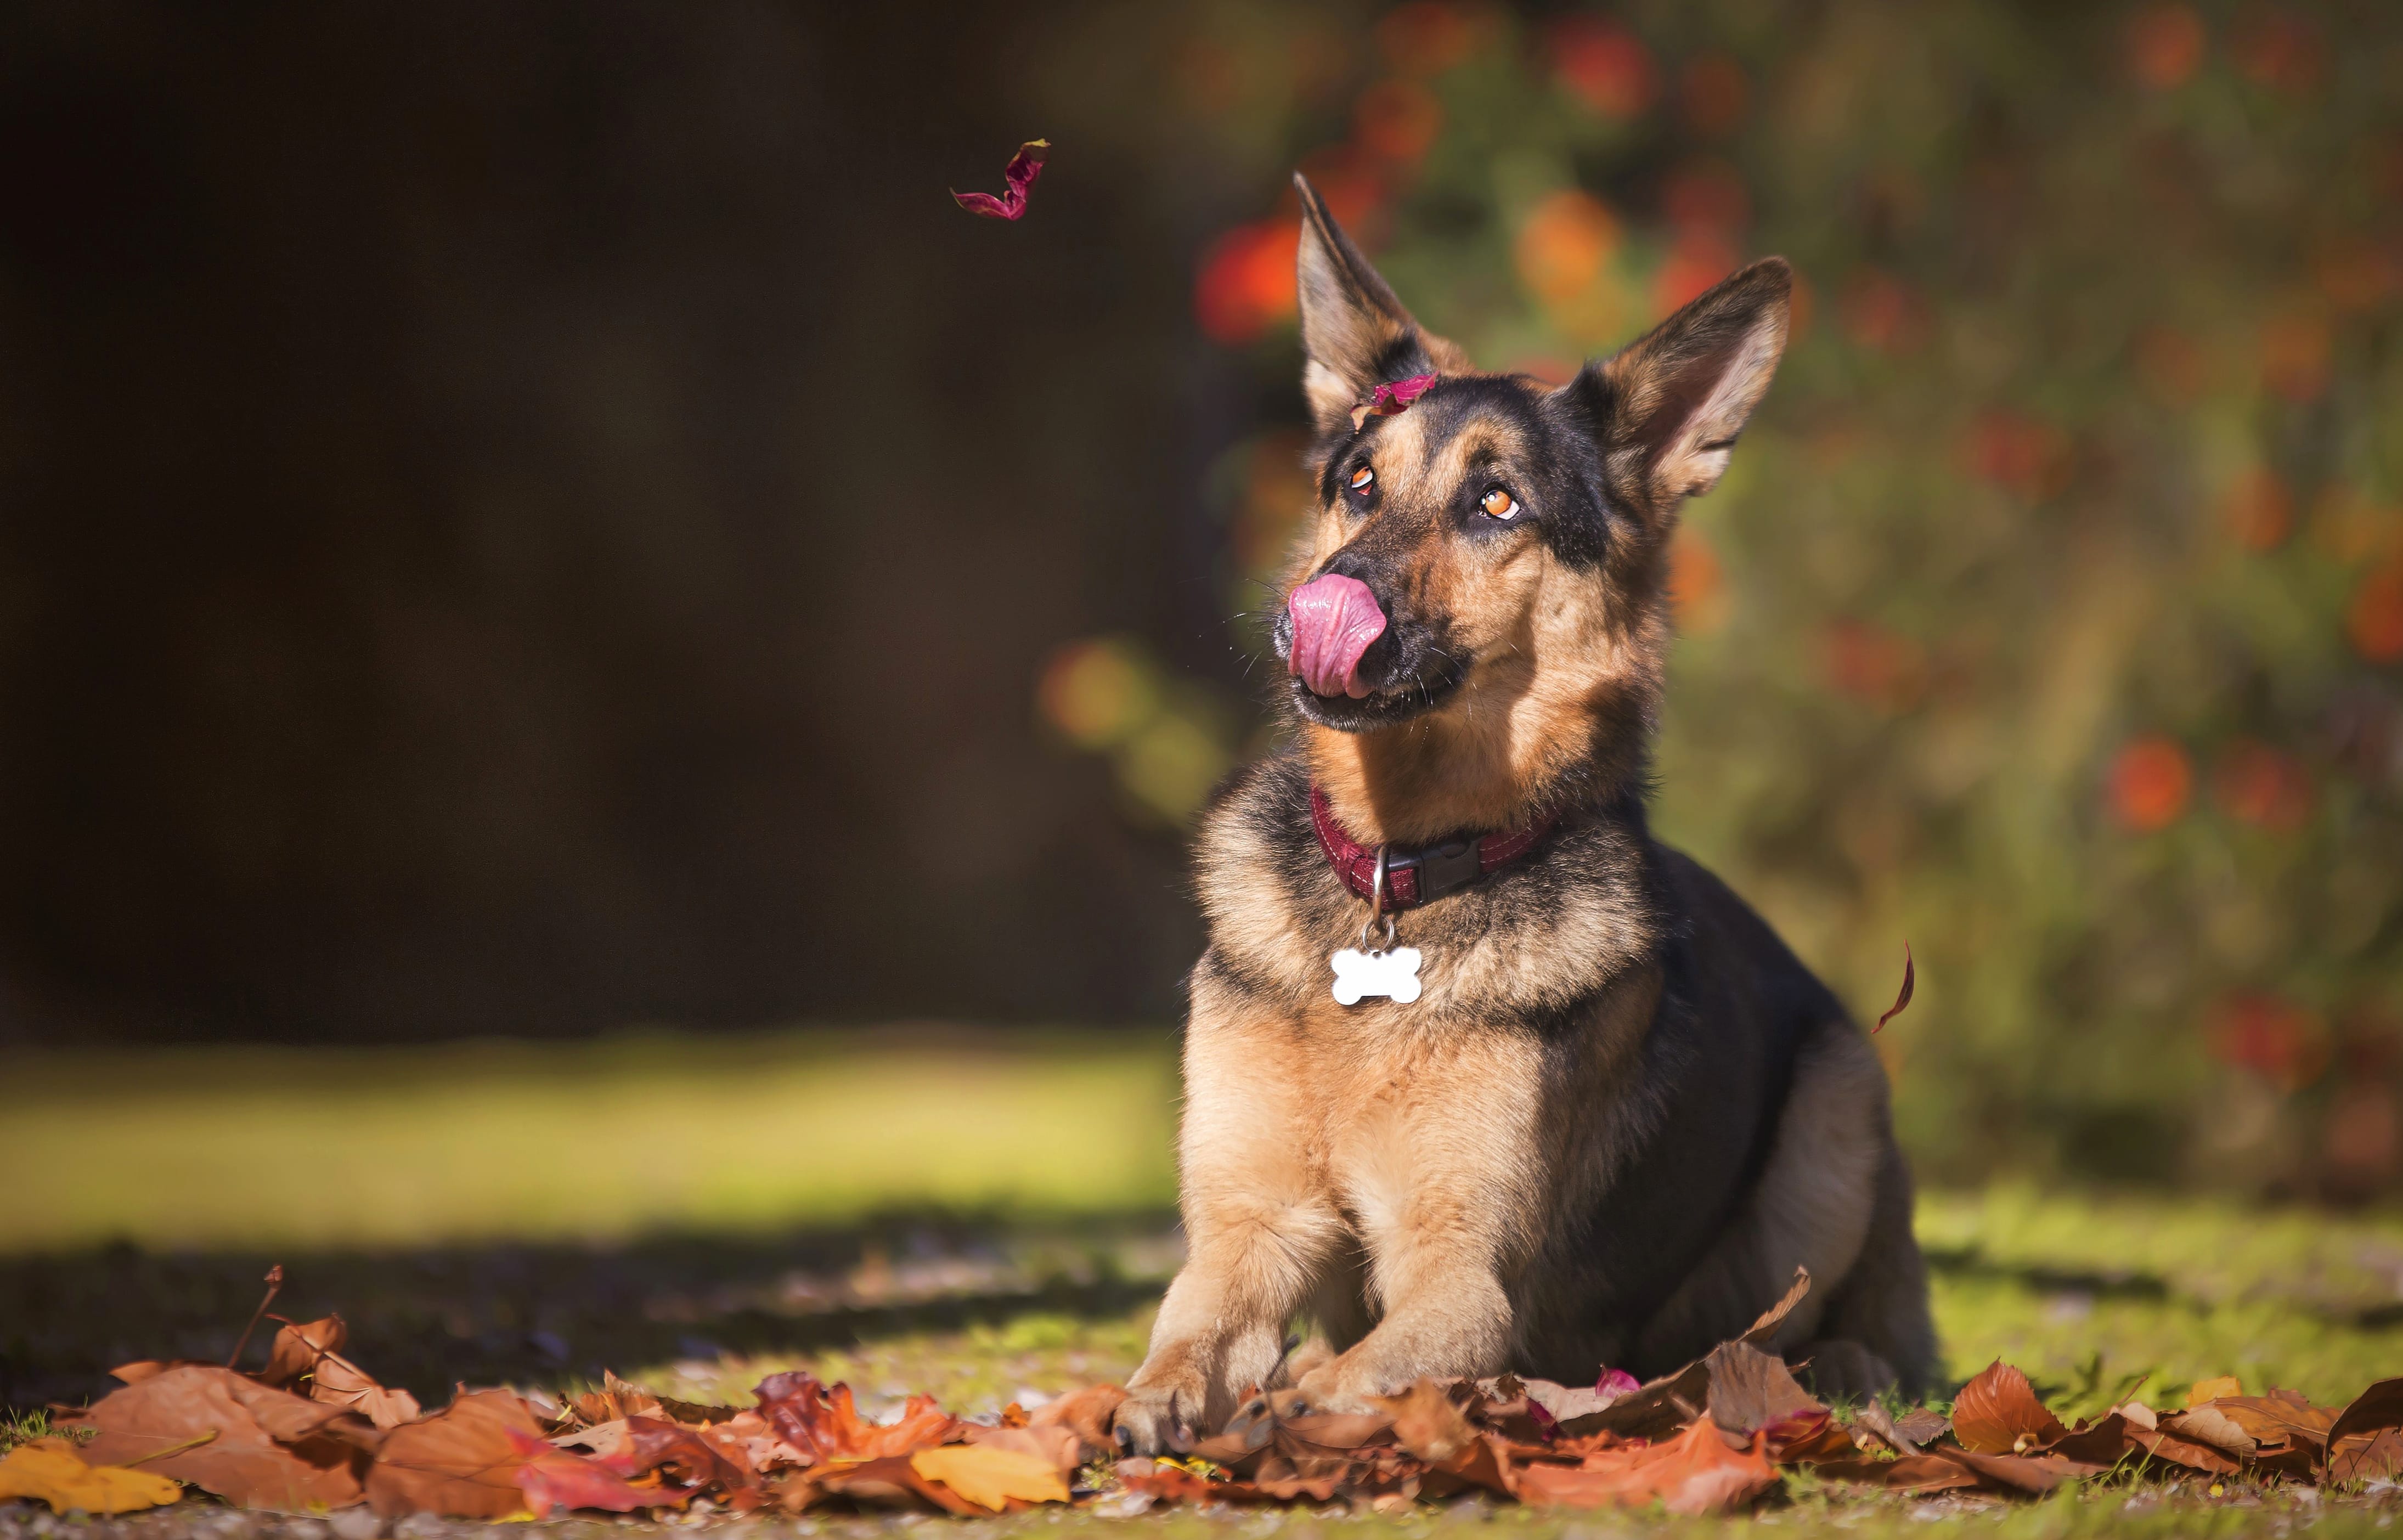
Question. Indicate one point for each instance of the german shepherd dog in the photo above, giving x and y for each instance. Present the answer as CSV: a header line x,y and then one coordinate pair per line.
x,y
1614,1113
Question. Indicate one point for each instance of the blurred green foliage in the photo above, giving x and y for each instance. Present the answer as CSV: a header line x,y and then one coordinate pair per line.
x,y
2051,612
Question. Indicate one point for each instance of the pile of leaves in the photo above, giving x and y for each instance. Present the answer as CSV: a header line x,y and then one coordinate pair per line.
x,y
312,1431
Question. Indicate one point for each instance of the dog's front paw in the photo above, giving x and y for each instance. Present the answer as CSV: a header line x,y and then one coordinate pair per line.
x,y
1324,1388
1156,1420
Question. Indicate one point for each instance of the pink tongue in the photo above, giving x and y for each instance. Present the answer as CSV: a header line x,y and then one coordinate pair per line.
x,y
1334,620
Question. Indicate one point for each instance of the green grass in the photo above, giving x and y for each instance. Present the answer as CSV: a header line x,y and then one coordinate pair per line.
x,y
392,1146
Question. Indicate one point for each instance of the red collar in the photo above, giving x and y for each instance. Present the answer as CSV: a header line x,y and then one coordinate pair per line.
x,y
1420,875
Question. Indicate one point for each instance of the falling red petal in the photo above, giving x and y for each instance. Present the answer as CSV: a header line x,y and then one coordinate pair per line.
x,y
1910,978
1020,175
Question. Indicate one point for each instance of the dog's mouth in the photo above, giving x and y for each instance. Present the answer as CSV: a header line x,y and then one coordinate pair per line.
x,y
1351,666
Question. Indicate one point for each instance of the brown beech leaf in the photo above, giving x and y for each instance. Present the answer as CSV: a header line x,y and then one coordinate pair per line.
x,y
1018,180
263,1448
1750,1390
1696,1472
1921,1424
822,1424
461,1462
888,1481
1765,1327
1911,1473
1169,1483
2018,1473
2362,1442
312,1351
1427,1422
1086,1413
1901,1001
2281,1416
1997,1409
1055,1446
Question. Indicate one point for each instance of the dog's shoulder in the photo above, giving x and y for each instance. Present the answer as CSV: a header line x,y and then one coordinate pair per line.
x,y
1533,941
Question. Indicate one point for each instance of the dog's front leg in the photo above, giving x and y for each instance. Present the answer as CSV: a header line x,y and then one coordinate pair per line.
x,y
1259,1219
1447,1315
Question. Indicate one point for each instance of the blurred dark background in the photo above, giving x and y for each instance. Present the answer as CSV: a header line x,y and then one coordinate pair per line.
x,y
524,519
529,518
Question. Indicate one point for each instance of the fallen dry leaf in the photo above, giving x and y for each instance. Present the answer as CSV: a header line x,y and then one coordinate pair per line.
x,y
990,1475
2366,1440
1427,1422
1086,1413
253,1445
461,1462
483,1456
1696,1472
312,1351
1998,1413
1018,178
50,1471
1058,1448
1392,400
1901,1001
2213,1390
822,1424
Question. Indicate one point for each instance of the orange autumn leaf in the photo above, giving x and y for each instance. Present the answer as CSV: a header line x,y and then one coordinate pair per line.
x,y
1998,1410
253,1445
1696,1472
822,1424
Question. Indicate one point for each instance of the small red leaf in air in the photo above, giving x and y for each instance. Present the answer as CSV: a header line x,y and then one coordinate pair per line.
x,y
1389,400
1023,168
1910,981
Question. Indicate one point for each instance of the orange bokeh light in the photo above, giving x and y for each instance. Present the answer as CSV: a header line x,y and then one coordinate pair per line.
x,y
1694,264
2263,785
1870,663
1882,315
1562,245
2374,621
1604,66
2294,349
1696,580
1245,284
1714,95
2165,45
2026,457
1397,121
1428,36
2270,1036
2150,783
2259,509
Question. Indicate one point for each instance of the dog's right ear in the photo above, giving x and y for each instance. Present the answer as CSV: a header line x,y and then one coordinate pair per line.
x,y
1355,336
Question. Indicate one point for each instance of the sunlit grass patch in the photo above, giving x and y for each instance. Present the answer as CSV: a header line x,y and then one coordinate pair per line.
x,y
587,1141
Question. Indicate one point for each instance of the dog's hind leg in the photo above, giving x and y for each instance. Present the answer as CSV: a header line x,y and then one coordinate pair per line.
x,y
1832,1198
1878,1317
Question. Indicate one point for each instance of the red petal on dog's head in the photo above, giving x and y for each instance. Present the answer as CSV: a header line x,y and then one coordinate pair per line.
x,y
1334,619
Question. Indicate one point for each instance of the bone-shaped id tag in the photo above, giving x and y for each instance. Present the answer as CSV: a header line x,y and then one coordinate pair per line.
x,y
1391,974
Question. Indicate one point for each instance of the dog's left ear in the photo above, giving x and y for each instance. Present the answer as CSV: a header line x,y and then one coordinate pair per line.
x,y
1667,407
1355,336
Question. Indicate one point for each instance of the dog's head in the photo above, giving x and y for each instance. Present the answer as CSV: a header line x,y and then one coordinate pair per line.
x,y
1497,544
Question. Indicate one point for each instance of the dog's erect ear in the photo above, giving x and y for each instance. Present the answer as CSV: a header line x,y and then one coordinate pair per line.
x,y
1669,405
1355,336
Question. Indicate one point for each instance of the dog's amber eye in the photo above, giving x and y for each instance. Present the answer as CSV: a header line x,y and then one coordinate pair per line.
x,y
1498,504
1363,479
